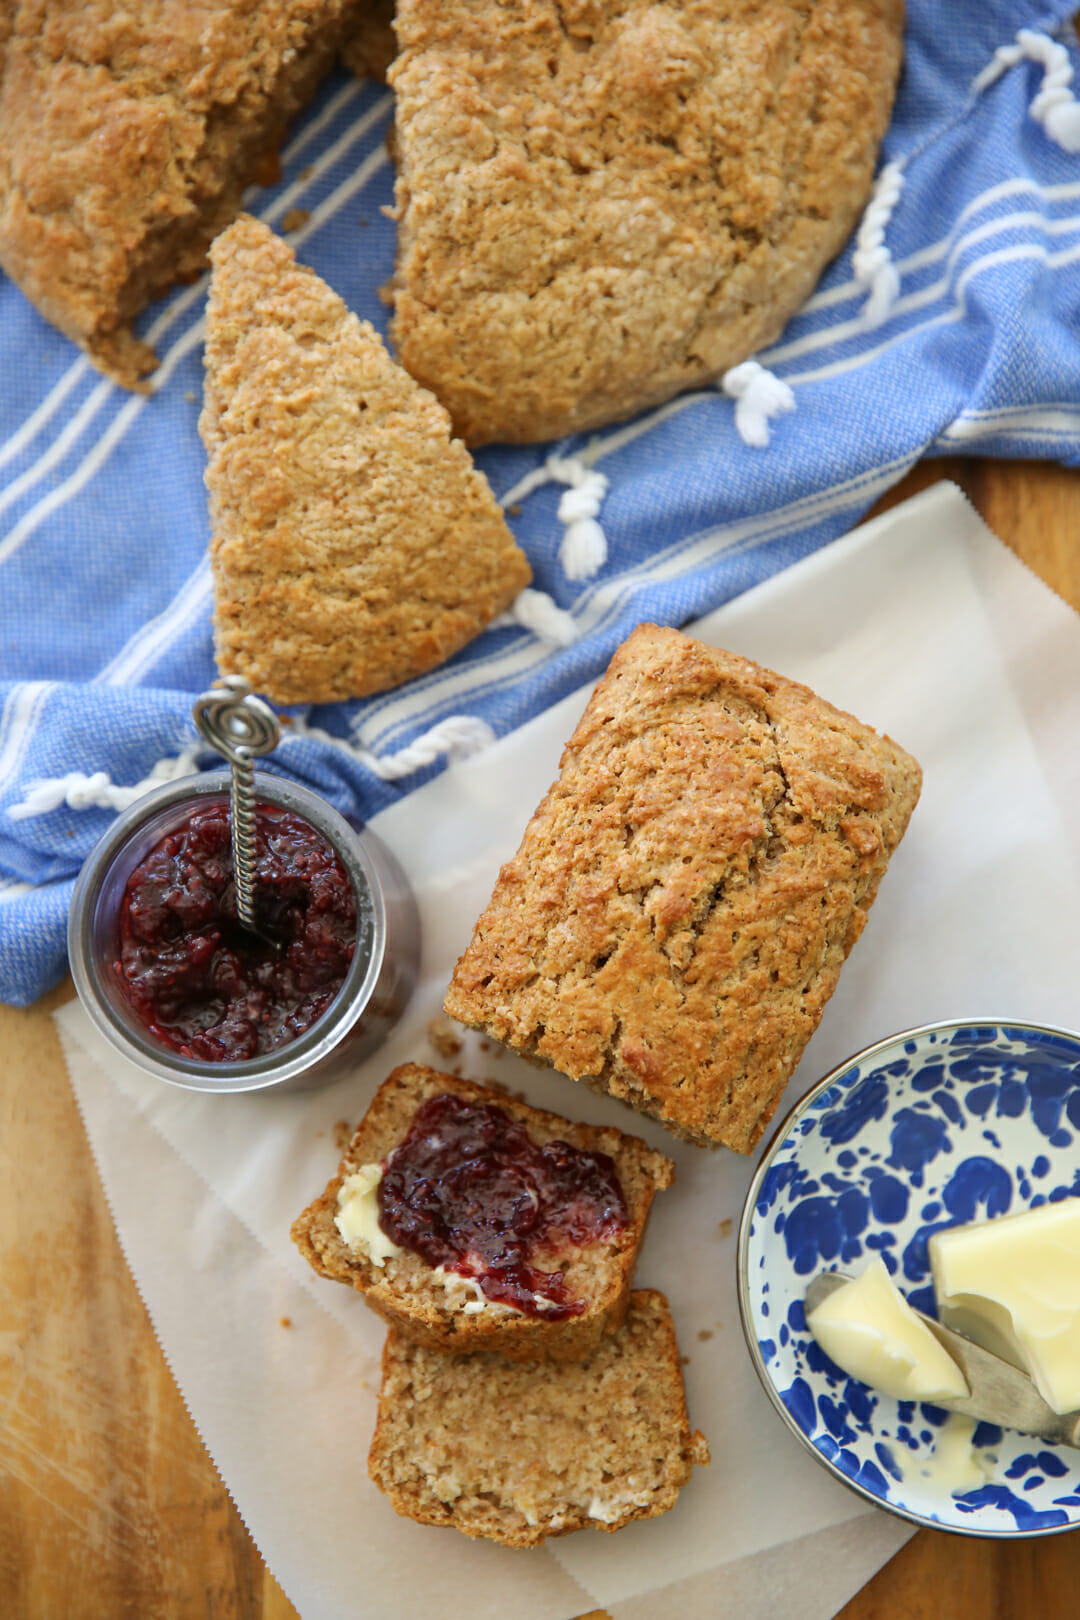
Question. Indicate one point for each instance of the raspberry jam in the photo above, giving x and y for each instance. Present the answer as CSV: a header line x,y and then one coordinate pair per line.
x,y
469,1190
202,984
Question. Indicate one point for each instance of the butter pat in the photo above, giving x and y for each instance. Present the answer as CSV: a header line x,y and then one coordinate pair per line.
x,y
870,1331
357,1218
1013,1285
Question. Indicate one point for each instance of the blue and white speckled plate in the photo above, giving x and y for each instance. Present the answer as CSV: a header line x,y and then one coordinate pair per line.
x,y
932,1128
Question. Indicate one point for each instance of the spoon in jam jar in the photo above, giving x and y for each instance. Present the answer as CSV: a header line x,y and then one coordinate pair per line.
x,y
239,726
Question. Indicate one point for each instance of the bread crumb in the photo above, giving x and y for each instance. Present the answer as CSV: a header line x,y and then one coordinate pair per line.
x,y
514,511
684,1361
342,1134
286,1321
705,1333
293,218
191,396
443,1038
725,1227
268,172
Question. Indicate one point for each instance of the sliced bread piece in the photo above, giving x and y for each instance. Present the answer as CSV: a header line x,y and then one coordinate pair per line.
x,y
516,1453
436,1305
355,544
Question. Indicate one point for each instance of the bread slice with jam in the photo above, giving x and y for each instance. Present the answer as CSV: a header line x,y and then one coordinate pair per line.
x,y
470,1221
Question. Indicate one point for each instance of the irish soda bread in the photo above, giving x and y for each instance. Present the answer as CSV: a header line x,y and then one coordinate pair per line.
x,y
355,544
603,202
517,1453
437,1307
683,899
127,136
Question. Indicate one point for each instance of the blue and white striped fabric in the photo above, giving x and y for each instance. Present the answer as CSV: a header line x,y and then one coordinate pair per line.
x,y
104,586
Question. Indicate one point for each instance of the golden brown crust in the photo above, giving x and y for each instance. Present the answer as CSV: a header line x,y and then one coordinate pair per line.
x,y
355,544
406,1292
516,1454
127,137
604,202
683,899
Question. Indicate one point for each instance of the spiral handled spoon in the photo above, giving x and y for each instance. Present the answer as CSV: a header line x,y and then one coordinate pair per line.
x,y
240,726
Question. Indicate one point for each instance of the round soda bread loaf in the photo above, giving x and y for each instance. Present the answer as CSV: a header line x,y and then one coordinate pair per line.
x,y
439,1311
684,897
127,136
355,544
516,1454
602,203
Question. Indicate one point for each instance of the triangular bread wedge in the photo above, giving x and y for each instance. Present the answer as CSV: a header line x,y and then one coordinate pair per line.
x,y
355,544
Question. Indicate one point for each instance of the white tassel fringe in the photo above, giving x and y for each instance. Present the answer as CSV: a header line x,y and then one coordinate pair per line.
x,y
759,396
98,792
871,261
583,551
1054,107
456,737
540,613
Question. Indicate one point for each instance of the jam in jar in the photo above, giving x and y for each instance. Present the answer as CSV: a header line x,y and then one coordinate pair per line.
x,y
201,983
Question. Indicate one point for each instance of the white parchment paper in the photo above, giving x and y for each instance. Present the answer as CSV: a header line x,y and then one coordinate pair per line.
x,y
921,623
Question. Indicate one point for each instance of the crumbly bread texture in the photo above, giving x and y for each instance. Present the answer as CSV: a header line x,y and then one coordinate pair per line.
x,y
683,899
604,202
371,46
127,136
517,1454
435,1311
355,544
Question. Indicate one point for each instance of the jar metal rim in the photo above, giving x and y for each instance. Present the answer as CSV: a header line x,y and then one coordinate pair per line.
x,y
269,1069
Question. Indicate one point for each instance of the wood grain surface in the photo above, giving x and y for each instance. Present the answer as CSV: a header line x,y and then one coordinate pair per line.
x,y
109,1505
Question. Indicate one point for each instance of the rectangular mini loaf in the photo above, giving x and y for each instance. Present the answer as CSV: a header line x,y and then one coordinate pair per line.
x,y
516,1454
683,899
441,1309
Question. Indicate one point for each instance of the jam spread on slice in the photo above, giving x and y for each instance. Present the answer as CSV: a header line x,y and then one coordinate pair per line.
x,y
202,984
467,1189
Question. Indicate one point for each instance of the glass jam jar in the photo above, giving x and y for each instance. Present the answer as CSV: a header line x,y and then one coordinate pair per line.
x,y
377,986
